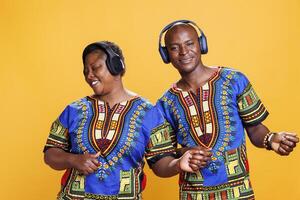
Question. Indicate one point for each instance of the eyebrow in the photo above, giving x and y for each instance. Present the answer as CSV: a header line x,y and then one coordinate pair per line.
x,y
175,43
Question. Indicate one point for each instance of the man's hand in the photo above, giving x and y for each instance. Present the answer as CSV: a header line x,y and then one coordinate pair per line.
x,y
194,159
283,143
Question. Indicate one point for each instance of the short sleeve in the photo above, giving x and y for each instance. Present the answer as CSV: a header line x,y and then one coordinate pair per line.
x,y
251,109
164,105
160,142
59,133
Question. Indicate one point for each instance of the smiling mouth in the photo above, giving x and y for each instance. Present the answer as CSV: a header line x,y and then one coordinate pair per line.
x,y
94,83
186,60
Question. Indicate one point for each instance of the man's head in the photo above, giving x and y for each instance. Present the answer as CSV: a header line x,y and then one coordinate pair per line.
x,y
183,48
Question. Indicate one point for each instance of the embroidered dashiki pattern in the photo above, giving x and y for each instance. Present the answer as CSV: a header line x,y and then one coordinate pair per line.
x,y
121,134
214,118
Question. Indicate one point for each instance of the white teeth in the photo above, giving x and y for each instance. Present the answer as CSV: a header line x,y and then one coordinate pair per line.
x,y
94,83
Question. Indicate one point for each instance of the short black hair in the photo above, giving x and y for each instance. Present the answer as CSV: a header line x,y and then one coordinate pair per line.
x,y
93,47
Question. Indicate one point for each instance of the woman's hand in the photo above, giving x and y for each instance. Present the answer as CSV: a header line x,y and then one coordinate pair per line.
x,y
85,163
194,159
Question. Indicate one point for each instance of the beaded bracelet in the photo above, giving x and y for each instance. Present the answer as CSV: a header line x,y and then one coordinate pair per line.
x,y
267,140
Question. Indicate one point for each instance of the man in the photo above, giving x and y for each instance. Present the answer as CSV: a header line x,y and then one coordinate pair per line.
x,y
208,109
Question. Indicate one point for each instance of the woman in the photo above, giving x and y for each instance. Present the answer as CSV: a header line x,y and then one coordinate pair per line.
x,y
100,139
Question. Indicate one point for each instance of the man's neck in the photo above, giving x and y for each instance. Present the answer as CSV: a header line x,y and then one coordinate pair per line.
x,y
197,78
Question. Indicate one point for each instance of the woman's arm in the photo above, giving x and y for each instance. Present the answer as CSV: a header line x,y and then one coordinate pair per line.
x,y
59,159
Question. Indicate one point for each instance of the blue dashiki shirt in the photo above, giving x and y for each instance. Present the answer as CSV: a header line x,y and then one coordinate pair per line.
x,y
215,117
122,134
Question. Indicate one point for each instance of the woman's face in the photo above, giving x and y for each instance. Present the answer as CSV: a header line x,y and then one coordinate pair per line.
x,y
96,73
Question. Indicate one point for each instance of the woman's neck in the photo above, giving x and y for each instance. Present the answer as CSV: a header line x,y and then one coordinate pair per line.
x,y
117,95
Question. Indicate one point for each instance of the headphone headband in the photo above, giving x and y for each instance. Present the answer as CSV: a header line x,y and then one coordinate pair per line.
x,y
114,62
183,21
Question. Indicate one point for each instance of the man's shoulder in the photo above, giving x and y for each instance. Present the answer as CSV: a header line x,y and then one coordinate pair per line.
x,y
231,73
144,101
168,94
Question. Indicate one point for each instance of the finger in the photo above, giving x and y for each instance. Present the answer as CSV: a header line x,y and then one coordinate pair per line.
x,y
195,162
199,163
95,162
288,133
206,159
92,165
194,167
200,148
96,155
197,157
201,152
191,152
87,171
202,158
291,138
206,153
286,147
90,170
288,143
203,164
282,151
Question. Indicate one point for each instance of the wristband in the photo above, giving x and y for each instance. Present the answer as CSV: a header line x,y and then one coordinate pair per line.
x,y
267,140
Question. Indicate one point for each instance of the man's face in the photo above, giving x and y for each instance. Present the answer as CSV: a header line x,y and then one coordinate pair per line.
x,y
183,48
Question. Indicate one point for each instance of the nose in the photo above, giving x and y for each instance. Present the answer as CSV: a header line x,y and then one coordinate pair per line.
x,y
183,50
90,75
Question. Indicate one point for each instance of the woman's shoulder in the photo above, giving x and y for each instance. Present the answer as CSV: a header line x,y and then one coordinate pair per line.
x,y
79,103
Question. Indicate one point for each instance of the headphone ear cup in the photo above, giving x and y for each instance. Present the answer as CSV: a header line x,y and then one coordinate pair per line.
x,y
108,64
164,54
203,44
115,65
118,65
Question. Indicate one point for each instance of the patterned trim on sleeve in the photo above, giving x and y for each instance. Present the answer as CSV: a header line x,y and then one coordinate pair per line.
x,y
58,137
251,109
160,144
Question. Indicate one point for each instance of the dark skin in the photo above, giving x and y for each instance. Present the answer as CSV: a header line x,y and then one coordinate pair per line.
x,y
110,89
185,55
58,159
283,143
191,160
107,88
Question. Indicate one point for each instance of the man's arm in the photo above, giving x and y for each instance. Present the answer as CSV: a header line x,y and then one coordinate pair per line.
x,y
282,143
191,161
257,134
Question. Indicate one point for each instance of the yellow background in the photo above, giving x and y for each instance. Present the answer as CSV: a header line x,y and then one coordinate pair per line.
x,y
41,72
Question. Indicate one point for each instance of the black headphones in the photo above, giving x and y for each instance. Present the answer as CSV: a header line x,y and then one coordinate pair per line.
x,y
163,50
114,62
